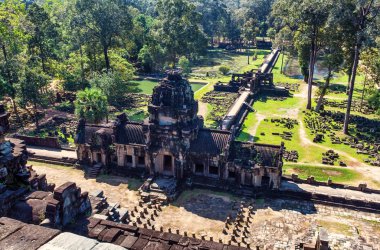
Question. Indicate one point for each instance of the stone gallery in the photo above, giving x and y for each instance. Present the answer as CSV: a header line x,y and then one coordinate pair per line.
x,y
173,142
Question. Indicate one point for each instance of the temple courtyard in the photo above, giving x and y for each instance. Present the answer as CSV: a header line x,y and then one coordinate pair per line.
x,y
262,222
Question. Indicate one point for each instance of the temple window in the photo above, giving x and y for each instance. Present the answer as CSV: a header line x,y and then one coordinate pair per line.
x,y
199,168
128,159
231,174
213,170
141,160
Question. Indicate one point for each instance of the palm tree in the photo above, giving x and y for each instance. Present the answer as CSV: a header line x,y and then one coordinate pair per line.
x,y
91,104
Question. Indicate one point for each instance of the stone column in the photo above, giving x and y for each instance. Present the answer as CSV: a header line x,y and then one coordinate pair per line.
x,y
242,177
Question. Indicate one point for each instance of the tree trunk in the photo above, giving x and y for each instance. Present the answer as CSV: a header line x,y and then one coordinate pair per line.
x,y
311,73
15,110
348,83
81,65
106,58
323,93
361,103
36,116
248,55
351,90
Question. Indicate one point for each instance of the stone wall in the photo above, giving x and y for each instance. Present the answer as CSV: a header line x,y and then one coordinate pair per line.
x,y
55,209
329,183
49,142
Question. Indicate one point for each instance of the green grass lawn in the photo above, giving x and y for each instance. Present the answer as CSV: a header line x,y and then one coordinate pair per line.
x,y
283,78
337,174
237,61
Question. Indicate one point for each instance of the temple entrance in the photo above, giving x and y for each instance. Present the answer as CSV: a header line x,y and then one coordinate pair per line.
x,y
168,163
248,178
212,170
128,160
98,157
199,168
231,174
265,181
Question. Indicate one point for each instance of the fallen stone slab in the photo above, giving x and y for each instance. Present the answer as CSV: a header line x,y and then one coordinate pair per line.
x,y
9,226
69,241
28,237
107,246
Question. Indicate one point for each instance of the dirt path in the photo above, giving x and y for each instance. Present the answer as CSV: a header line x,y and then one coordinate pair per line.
x,y
202,109
373,173
116,189
252,131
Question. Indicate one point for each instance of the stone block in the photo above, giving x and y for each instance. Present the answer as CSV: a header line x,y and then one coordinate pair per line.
x,y
111,235
29,237
68,241
94,233
128,242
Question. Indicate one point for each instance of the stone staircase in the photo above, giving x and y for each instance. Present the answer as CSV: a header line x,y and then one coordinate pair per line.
x,y
94,171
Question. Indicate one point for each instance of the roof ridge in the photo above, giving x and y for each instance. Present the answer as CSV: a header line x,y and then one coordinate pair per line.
x,y
216,130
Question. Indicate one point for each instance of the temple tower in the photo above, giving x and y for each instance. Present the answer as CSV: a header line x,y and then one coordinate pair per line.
x,y
172,124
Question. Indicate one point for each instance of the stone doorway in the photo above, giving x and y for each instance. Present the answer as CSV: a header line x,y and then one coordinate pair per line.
x,y
168,164
199,169
98,157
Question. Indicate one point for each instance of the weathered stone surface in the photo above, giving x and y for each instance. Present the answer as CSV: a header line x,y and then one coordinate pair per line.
x,y
129,241
69,241
9,226
28,237
107,246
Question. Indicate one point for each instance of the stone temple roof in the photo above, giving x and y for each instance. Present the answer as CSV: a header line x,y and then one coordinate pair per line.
x,y
268,154
132,134
210,141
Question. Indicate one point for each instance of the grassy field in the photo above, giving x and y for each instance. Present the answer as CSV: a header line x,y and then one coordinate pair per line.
x,y
337,174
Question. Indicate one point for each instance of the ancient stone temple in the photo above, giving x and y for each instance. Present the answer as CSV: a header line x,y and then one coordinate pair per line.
x,y
173,142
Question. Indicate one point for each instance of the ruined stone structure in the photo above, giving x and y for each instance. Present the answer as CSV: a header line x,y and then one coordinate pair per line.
x,y
173,142
4,118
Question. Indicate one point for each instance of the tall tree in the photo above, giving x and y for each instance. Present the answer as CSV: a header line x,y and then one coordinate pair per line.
x,y
13,37
179,30
106,22
44,36
332,60
250,31
32,86
361,17
307,18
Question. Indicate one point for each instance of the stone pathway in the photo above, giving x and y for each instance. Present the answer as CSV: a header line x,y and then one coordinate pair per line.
x,y
291,186
51,152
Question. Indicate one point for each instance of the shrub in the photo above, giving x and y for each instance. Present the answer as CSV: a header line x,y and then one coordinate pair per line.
x,y
224,69
184,63
65,107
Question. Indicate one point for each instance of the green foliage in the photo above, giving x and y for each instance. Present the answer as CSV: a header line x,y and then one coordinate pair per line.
x,y
224,69
184,63
374,101
105,22
178,30
66,106
91,104
43,38
113,86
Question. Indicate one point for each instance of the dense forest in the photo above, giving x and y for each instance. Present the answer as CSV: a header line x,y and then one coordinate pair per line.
x,y
103,43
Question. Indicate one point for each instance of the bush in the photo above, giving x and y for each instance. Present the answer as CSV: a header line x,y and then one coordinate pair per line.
x,y
224,69
184,63
65,107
